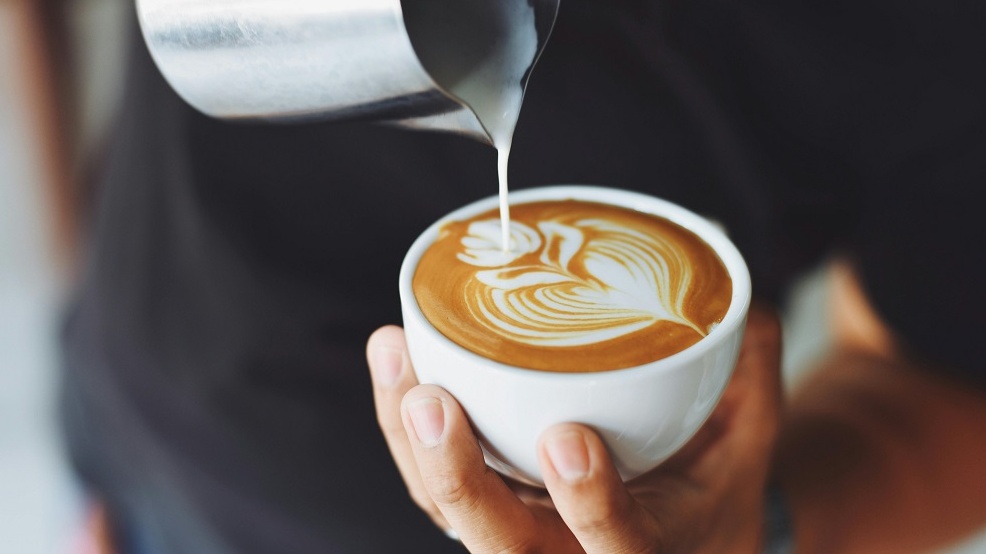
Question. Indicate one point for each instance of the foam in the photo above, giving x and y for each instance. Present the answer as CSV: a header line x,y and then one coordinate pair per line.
x,y
629,279
583,285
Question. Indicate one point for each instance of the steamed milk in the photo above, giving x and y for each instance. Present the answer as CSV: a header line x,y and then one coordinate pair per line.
x,y
480,51
585,287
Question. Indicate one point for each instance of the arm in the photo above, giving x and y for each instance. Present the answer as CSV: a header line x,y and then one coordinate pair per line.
x,y
41,73
878,454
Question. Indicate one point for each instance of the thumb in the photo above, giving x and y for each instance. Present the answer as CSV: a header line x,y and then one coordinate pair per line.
x,y
590,496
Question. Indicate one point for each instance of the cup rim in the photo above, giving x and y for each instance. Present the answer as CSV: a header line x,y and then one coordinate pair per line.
x,y
702,227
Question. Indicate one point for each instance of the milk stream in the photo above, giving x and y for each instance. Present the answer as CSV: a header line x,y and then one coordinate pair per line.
x,y
503,162
480,51
495,90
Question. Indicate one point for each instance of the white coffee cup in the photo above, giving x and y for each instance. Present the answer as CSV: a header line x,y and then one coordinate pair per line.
x,y
644,414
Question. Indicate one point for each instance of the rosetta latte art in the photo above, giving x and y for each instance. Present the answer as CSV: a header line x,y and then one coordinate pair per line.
x,y
583,287
595,280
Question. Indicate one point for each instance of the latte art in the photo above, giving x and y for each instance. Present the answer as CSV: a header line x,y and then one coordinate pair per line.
x,y
581,291
579,284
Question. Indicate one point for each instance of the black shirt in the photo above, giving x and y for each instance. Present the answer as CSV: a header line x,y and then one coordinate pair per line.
x,y
216,383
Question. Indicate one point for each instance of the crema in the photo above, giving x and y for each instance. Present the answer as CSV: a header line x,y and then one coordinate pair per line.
x,y
581,287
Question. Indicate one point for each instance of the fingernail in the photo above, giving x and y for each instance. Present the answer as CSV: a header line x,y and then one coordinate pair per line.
x,y
387,365
569,455
428,419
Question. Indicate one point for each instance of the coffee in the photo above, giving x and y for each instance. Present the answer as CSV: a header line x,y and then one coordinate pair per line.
x,y
582,287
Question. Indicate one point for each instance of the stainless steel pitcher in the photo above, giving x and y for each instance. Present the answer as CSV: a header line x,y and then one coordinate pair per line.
x,y
314,59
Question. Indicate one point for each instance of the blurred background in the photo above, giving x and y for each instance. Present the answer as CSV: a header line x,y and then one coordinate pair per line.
x,y
41,510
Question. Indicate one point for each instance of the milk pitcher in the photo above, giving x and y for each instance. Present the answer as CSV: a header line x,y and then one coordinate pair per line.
x,y
410,62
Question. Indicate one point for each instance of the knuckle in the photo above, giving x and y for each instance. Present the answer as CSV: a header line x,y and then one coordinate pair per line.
x,y
601,517
604,519
451,489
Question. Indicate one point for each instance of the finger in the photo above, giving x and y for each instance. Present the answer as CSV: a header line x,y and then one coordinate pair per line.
x,y
743,425
589,494
392,376
760,353
756,385
485,513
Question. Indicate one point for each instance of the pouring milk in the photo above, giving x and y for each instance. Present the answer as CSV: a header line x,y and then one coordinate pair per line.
x,y
480,51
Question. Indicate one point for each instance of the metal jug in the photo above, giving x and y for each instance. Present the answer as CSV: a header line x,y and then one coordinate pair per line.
x,y
289,60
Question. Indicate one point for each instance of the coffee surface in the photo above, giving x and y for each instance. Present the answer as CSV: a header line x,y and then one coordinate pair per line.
x,y
584,287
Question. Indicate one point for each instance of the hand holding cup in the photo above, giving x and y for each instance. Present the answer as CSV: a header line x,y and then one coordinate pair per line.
x,y
708,497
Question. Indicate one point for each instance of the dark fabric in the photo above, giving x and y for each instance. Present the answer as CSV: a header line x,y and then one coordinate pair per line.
x,y
215,351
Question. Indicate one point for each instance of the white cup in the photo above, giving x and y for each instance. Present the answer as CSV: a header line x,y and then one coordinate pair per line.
x,y
644,414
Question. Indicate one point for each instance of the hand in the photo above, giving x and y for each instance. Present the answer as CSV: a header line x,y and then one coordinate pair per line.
x,y
707,498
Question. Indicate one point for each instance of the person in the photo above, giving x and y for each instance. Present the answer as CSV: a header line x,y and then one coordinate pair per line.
x,y
214,394
878,451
